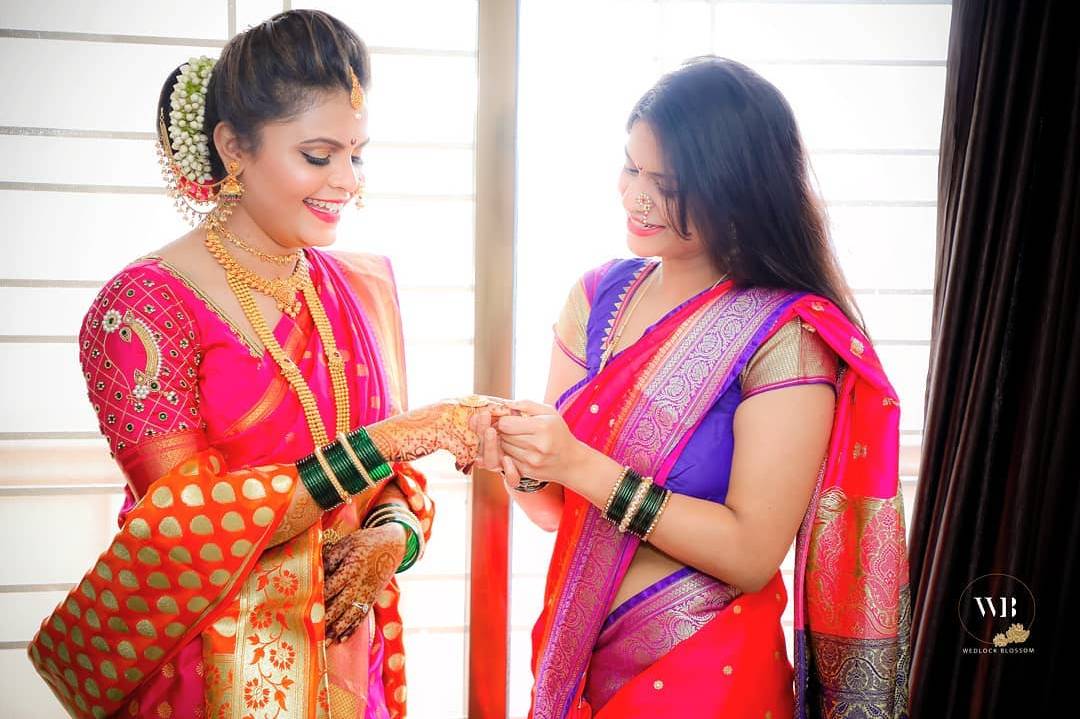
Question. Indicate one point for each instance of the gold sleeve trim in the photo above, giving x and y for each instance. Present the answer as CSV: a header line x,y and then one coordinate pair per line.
x,y
154,457
571,326
792,355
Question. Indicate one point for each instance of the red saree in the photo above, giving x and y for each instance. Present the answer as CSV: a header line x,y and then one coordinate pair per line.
x,y
195,609
851,593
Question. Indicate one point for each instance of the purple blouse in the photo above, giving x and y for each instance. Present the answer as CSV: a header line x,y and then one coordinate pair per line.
x,y
703,469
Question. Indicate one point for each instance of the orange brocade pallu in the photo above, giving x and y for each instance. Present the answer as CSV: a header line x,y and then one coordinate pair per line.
x,y
723,655
193,610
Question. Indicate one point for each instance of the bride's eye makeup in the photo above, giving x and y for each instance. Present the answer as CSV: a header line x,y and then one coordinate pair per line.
x,y
315,160
322,161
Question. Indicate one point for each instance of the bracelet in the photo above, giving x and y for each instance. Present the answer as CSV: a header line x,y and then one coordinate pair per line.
x,y
528,485
317,483
647,511
656,519
352,481
377,467
356,463
414,536
334,473
623,494
331,475
614,490
635,503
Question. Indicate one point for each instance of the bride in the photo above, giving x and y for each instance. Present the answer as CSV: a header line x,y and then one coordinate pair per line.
x,y
251,387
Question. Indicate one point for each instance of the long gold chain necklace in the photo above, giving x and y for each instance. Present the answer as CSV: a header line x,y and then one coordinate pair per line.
x,y
240,283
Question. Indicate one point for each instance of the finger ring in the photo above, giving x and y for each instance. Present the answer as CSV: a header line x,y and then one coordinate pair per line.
x,y
528,484
364,608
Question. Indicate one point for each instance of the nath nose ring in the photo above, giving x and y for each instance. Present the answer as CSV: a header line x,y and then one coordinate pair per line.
x,y
644,203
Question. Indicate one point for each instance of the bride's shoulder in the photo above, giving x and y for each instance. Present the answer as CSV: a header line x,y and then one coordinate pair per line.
x,y
363,265
160,268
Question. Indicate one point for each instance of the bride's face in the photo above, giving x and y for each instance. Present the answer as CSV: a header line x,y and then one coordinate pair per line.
x,y
644,188
306,172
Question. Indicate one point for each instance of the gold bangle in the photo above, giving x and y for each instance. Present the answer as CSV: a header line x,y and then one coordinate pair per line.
x,y
614,491
344,441
656,519
330,475
635,503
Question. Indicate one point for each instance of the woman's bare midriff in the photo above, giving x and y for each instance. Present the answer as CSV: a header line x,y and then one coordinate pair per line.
x,y
648,567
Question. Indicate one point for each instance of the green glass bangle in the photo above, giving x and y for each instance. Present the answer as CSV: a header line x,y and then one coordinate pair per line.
x,y
412,549
623,495
647,513
642,510
343,468
389,512
317,483
369,455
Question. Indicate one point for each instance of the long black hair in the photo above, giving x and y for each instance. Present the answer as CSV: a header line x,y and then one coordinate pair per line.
x,y
742,178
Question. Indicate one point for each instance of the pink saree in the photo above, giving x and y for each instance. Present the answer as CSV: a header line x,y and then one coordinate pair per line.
x,y
692,645
200,419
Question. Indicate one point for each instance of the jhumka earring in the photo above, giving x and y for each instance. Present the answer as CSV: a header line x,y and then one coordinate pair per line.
x,y
231,187
644,203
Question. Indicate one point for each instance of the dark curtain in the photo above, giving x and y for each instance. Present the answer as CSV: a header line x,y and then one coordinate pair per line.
x,y
1000,473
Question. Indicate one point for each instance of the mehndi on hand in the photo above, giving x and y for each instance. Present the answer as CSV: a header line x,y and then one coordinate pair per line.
x,y
356,568
443,425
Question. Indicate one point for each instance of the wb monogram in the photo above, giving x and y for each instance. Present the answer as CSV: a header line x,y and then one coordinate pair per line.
x,y
989,605
1000,606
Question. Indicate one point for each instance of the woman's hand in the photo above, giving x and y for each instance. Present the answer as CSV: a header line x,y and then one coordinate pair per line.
x,y
357,567
443,425
537,444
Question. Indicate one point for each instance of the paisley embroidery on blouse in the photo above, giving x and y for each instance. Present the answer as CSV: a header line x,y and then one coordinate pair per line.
x,y
139,350
149,379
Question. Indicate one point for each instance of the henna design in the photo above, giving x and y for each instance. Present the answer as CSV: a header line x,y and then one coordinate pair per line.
x,y
358,567
301,514
443,425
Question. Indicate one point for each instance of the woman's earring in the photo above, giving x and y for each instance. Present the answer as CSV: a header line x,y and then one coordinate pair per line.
x,y
360,196
644,203
231,187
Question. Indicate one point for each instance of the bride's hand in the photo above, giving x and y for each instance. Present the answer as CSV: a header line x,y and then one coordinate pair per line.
x,y
444,425
358,566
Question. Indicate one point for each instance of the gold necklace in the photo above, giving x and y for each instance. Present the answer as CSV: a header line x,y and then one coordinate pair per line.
x,y
334,360
282,290
276,259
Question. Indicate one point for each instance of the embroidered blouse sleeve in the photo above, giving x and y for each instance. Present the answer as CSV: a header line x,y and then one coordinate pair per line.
x,y
793,355
570,329
139,350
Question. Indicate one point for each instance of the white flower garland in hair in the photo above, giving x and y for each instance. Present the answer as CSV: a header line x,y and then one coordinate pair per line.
x,y
190,145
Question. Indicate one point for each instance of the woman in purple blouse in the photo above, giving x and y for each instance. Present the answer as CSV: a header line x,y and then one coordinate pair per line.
x,y
696,388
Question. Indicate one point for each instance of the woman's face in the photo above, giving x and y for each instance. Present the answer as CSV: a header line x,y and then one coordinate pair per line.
x,y
644,187
306,172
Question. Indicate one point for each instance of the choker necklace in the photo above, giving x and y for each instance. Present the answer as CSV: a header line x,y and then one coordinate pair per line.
x,y
276,259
